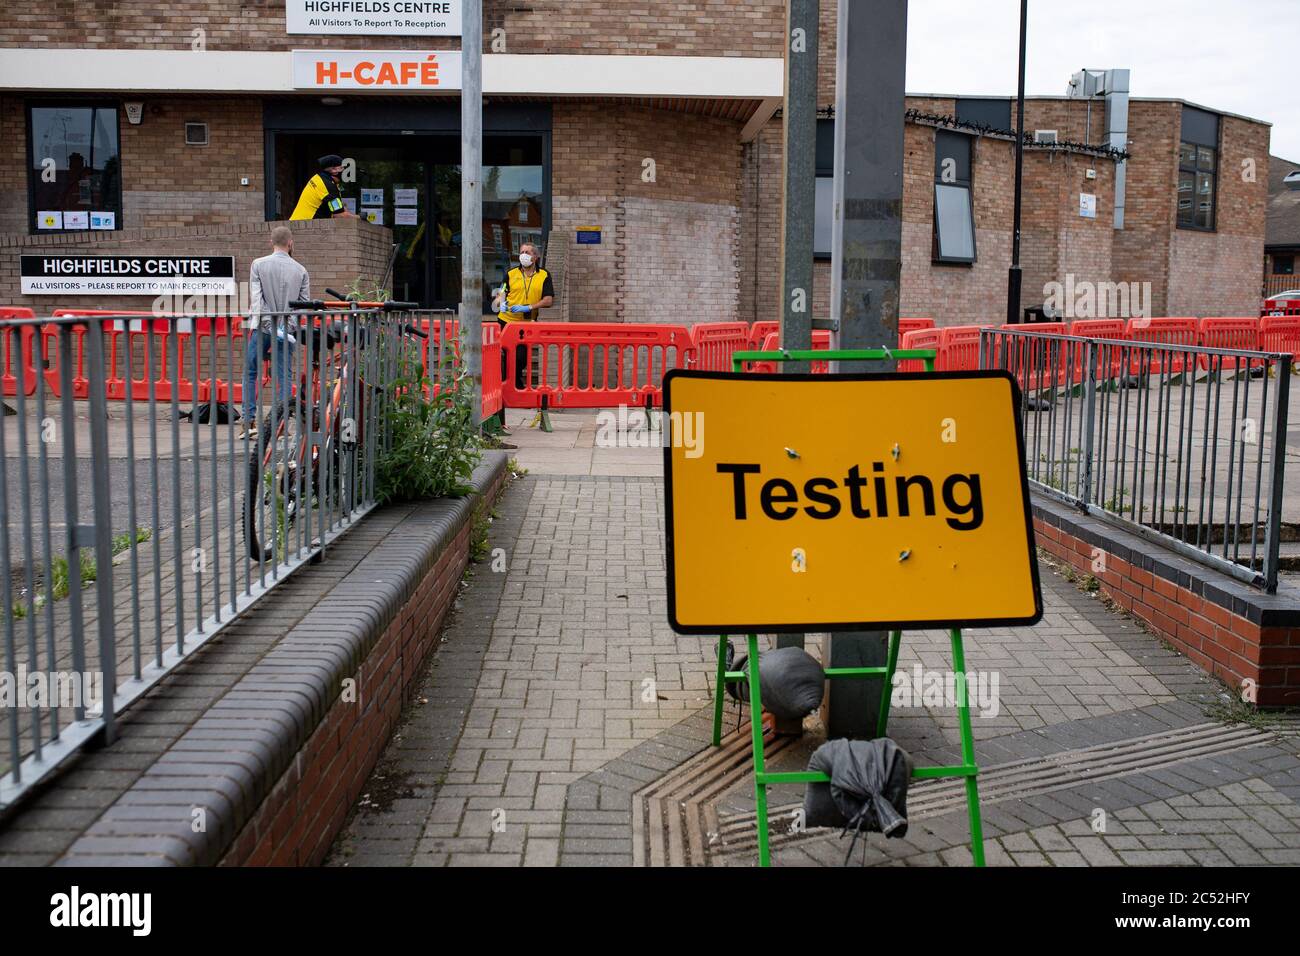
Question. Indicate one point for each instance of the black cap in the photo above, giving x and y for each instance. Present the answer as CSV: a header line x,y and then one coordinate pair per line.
x,y
331,160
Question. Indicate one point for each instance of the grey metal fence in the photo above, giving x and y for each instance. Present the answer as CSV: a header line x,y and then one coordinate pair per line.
x,y
1182,444
136,522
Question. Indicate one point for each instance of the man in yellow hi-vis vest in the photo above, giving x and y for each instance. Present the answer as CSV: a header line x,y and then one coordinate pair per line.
x,y
321,198
526,291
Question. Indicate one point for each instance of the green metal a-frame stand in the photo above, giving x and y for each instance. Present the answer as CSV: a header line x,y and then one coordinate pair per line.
x,y
762,778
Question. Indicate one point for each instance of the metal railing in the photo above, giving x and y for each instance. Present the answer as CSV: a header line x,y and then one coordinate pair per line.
x,y
1182,444
131,533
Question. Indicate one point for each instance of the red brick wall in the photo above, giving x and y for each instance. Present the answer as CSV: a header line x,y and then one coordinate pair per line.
x,y
298,821
629,27
668,246
1227,645
1220,273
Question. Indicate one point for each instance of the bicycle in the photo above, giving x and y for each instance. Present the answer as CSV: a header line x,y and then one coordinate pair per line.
x,y
285,472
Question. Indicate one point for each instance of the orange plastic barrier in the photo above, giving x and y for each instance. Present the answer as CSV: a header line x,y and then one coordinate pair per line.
x,y
1229,333
10,365
716,341
821,341
959,348
1036,362
1280,333
759,332
922,338
493,395
1165,331
592,365
1110,359
913,325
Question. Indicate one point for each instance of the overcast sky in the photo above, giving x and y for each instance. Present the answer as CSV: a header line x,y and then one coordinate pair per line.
x,y
1239,56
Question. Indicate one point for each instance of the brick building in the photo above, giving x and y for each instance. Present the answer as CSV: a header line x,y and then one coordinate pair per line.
x,y
651,129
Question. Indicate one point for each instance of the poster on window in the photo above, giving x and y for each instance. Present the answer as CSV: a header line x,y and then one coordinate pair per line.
x,y
372,197
350,205
76,220
103,220
49,219
405,216
373,215
405,197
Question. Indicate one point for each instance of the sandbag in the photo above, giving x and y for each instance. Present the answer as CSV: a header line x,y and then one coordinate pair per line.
x,y
867,790
789,679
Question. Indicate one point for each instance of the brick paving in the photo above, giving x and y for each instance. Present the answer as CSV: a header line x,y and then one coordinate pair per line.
x,y
559,692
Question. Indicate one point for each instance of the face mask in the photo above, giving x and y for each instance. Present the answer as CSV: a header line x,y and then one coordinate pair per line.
x,y
525,259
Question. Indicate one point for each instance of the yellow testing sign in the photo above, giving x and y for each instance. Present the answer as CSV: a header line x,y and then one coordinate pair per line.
x,y
822,503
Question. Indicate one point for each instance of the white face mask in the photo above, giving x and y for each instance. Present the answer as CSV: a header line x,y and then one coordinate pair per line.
x,y
525,259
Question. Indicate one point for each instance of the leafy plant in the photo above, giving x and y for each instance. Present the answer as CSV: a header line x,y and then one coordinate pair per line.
x,y
364,289
433,441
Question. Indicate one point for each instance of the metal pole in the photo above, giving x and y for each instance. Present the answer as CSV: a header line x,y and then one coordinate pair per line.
x,y
471,197
1013,274
866,263
799,199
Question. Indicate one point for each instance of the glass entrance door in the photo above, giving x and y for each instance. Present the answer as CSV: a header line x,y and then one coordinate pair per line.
x,y
411,184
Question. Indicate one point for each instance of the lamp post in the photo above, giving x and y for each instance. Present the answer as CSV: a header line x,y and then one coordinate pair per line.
x,y
1013,274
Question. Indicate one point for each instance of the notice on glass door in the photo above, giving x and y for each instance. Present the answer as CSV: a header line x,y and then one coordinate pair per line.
x,y
405,197
405,216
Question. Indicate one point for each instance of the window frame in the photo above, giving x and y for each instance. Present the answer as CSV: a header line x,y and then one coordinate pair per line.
x,y
92,103
936,258
1198,116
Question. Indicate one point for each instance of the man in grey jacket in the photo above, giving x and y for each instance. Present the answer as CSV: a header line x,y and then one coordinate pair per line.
x,y
274,281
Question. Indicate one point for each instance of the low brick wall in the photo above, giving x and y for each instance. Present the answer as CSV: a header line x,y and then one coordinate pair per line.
x,y
1230,629
334,251
277,762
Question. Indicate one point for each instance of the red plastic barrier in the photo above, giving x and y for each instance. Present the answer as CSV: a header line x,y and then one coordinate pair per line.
x,y
1165,331
1229,333
1036,362
821,341
493,395
1280,333
923,338
24,363
592,365
759,332
912,325
1110,359
716,341
959,348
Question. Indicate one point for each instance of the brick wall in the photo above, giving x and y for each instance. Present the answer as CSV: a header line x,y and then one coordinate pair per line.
x,y
668,246
1197,619
334,252
1220,273
628,27
299,819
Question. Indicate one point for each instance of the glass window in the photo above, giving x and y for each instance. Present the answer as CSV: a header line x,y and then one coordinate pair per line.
x,y
823,217
954,218
954,227
75,168
1284,265
1196,185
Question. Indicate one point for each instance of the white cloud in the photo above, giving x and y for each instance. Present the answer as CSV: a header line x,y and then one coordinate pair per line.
x,y
1237,57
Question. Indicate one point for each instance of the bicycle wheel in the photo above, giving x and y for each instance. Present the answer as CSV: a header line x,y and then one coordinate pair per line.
x,y
276,486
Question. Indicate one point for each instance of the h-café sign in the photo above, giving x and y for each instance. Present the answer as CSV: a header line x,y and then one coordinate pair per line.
x,y
373,17
387,70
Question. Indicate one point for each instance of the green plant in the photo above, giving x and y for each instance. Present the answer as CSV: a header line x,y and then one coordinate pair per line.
x,y
365,289
433,439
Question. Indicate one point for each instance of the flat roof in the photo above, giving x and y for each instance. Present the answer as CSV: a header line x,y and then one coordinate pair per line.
x,y
1083,99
